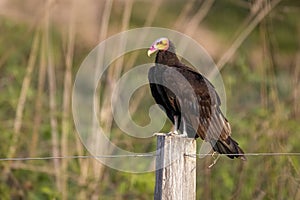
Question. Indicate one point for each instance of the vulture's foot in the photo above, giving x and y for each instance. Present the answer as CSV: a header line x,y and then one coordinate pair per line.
x,y
215,157
183,135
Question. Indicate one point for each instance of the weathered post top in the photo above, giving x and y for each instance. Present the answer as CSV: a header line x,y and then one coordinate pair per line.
x,y
175,172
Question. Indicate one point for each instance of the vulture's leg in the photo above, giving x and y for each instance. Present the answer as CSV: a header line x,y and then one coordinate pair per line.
x,y
184,134
176,125
215,159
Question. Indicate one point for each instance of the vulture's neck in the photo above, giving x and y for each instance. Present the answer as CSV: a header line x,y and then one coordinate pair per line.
x,y
166,58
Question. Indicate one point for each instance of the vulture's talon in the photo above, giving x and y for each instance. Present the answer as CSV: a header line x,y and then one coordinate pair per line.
x,y
184,135
215,159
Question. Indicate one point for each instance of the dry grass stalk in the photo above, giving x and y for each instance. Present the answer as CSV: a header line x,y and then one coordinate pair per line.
x,y
148,22
22,99
183,16
263,72
152,12
296,86
191,24
114,73
52,98
38,104
245,33
95,165
105,20
66,100
270,98
274,96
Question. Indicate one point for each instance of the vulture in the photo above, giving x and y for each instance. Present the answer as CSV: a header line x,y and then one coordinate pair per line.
x,y
189,100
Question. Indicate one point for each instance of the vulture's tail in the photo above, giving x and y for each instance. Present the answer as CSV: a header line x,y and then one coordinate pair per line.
x,y
229,147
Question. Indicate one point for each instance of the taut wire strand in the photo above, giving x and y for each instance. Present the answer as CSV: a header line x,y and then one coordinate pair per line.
x,y
145,155
251,154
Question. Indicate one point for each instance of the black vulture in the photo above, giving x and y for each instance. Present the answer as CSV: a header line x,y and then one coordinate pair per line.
x,y
189,100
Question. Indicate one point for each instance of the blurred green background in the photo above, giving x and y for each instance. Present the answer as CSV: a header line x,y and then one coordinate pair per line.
x,y
256,45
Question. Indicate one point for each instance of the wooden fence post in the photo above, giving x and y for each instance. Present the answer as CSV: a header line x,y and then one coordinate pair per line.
x,y
175,172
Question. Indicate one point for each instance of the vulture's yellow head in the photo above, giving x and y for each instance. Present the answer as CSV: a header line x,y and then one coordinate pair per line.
x,y
159,44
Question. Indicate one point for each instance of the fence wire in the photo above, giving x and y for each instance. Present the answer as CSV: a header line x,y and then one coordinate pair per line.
x,y
146,155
